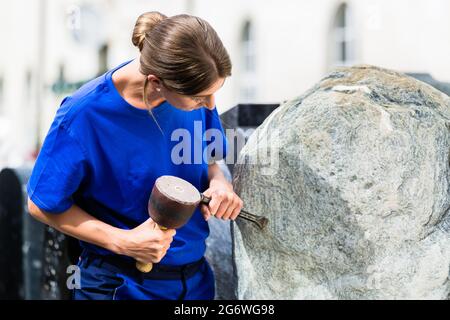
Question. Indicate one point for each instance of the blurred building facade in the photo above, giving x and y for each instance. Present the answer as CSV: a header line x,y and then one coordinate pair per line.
x,y
278,49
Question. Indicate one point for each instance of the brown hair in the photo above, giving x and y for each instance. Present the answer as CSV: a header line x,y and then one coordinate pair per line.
x,y
183,51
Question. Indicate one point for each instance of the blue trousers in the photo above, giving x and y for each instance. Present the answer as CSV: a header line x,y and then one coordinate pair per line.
x,y
102,280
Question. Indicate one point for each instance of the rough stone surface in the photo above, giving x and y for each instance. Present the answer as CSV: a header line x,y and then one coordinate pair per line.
x,y
359,201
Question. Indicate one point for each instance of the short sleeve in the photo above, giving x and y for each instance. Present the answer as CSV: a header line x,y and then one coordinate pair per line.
x,y
216,140
58,171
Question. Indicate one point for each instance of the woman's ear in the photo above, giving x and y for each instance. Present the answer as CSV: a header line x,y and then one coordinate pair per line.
x,y
210,102
155,82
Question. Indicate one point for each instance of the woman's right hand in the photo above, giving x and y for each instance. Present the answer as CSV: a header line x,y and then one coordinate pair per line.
x,y
146,243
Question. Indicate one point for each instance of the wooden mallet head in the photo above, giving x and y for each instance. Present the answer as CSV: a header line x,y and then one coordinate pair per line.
x,y
173,202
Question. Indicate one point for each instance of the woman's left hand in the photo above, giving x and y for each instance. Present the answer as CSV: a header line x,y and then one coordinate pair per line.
x,y
224,204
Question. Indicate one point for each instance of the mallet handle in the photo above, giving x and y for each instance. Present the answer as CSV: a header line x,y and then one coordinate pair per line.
x,y
147,267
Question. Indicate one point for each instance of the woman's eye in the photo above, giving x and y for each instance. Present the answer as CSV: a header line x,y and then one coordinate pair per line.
x,y
197,99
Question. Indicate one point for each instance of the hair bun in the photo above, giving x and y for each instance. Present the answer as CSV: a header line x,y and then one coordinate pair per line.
x,y
144,24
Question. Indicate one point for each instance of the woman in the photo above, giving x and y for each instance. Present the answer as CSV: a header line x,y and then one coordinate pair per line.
x,y
110,141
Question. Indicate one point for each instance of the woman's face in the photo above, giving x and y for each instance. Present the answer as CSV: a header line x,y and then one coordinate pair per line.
x,y
189,103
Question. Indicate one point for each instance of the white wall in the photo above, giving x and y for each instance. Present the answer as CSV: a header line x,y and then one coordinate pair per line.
x,y
18,38
292,38
406,35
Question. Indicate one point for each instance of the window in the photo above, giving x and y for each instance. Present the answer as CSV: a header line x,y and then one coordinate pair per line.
x,y
248,48
28,86
103,59
248,63
1,94
342,38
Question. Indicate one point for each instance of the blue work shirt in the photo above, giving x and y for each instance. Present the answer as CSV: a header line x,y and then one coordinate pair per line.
x,y
104,155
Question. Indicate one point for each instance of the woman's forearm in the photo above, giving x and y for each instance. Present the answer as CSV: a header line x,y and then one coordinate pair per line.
x,y
81,225
215,174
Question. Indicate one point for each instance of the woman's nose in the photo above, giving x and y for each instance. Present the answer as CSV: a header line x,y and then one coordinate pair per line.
x,y
210,102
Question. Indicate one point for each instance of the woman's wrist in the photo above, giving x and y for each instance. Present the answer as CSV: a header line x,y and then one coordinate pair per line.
x,y
220,182
118,241
216,176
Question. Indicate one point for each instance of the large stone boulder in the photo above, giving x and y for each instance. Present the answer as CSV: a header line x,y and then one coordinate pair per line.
x,y
354,177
